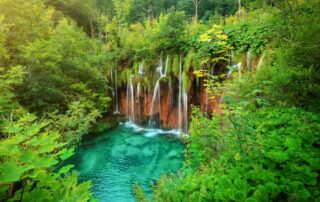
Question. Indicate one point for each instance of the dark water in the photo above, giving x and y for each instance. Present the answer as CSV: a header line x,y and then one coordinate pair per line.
x,y
117,159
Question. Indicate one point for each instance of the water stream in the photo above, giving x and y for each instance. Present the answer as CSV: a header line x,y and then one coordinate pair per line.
x,y
156,98
115,160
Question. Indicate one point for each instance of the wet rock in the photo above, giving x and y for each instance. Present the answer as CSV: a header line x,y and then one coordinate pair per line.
x,y
148,151
137,141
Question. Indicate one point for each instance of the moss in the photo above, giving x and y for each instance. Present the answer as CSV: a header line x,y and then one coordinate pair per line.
x,y
192,60
176,66
136,66
169,69
124,75
186,81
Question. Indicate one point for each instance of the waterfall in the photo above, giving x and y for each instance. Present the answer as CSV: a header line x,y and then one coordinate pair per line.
x,y
166,67
260,62
180,94
155,97
157,93
182,103
249,60
132,115
185,111
163,72
140,71
116,91
160,67
127,100
130,100
138,98
138,90
113,87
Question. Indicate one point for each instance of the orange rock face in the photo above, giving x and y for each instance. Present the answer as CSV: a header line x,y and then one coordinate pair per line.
x,y
168,108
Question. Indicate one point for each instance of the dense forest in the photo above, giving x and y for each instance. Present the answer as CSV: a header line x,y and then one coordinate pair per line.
x,y
239,80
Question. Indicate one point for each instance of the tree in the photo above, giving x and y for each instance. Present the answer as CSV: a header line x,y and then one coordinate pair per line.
x,y
122,8
196,5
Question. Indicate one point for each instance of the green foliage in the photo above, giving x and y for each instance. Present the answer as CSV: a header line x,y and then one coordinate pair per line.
x,y
139,193
28,155
122,9
253,32
275,158
192,60
24,27
170,31
84,13
213,46
3,29
66,59
264,145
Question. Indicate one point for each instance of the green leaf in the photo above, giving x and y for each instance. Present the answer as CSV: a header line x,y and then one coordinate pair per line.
x,y
11,172
67,154
278,156
65,169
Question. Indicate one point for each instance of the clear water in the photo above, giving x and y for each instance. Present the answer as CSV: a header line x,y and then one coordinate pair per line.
x,y
117,159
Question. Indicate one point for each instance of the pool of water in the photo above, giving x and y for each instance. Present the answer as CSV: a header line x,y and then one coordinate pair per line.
x,y
117,159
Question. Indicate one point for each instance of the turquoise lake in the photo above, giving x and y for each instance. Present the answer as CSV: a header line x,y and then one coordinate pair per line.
x,y
117,159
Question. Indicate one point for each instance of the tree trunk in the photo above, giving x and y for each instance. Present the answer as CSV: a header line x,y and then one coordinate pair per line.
x,y
239,10
196,5
196,14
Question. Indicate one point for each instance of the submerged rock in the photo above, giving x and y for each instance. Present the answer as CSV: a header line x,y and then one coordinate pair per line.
x,y
174,154
148,151
136,140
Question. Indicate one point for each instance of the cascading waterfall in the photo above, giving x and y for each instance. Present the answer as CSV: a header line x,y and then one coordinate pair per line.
x,y
130,112
132,115
164,74
156,98
138,98
180,95
127,100
140,71
182,103
116,91
185,113
113,88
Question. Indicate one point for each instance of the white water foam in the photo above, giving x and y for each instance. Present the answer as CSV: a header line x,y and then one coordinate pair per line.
x,y
151,132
